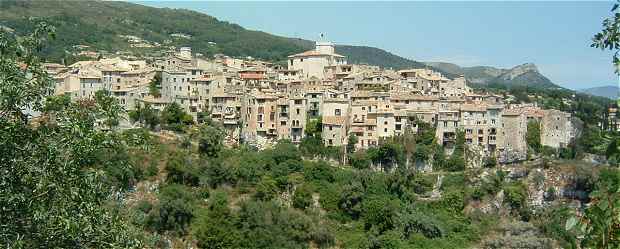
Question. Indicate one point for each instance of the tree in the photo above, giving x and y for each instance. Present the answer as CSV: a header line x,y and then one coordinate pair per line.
x,y
314,127
145,115
609,37
457,162
175,210
266,189
52,183
174,118
302,197
155,85
600,223
110,109
532,136
351,142
210,140
214,227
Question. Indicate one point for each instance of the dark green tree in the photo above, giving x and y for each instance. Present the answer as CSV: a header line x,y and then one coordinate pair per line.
x,y
175,119
351,142
52,184
532,136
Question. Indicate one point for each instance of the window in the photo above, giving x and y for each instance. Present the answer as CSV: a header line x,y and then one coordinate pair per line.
x,y
398,127
330,127
480,131
445,123
282,122
337,112
385,130
385,123
298,111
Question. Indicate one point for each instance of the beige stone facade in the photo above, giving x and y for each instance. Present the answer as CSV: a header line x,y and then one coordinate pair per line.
x,y
260,102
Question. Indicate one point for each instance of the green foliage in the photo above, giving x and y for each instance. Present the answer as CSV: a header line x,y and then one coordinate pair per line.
x,y
57,103
175,119
302,197
351,142
532,137
490,162
609,37
599,225
53,182
266,189
155,86
175,210
145,115
456,162
380,213
209,140
181,170
314,127
515,195
214,226
110,110
359,160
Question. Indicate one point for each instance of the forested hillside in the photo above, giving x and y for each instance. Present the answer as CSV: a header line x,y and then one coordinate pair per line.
x,y
99,23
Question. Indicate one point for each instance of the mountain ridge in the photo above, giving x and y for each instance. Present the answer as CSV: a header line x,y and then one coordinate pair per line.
x,y
526,74
608,91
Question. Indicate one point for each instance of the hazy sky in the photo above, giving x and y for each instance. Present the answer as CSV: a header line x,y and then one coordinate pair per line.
x,y
556,36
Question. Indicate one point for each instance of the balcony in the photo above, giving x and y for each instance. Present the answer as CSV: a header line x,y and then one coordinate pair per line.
x,y
358,120
230,122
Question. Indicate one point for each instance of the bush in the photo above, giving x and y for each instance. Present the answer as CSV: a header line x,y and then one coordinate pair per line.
x,y
302,197
174,211
359,160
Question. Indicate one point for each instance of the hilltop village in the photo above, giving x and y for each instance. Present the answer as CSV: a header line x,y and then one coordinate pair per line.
x,y
260,102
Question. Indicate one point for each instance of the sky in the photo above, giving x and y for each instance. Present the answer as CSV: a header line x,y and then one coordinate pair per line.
x,y
556,36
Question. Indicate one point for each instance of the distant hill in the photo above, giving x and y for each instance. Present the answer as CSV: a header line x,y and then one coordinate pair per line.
x,y
375,56
610,92
522,75
100,24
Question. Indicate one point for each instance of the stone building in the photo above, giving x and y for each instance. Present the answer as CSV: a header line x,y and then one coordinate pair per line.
x,y
312,63
556,129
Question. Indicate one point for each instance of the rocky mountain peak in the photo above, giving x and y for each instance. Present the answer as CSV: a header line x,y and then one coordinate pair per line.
x,y
520,70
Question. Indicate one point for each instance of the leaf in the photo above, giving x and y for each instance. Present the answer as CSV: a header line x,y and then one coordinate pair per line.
x,y
570,223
